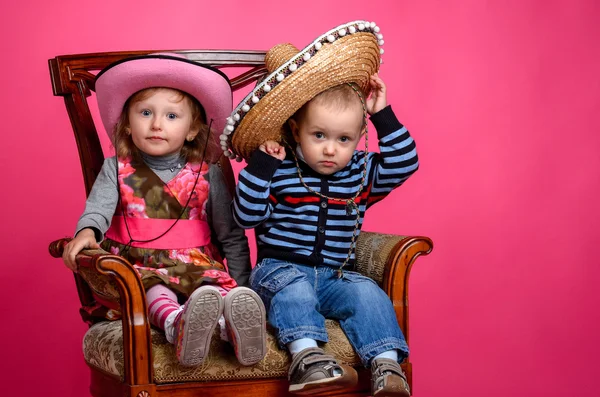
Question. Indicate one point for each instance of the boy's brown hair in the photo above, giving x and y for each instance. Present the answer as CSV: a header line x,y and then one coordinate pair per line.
x,y
340,97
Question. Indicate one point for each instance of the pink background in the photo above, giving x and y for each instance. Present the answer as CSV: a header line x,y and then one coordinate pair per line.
x,y
503,98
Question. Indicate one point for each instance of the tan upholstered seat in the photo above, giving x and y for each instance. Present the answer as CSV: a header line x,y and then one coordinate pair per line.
x,y
103,349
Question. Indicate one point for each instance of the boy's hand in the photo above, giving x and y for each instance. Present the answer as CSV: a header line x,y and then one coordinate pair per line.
x,y
84,239
273,149
378,98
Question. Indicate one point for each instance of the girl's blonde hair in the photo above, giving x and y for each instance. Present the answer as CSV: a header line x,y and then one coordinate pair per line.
x,y
193,151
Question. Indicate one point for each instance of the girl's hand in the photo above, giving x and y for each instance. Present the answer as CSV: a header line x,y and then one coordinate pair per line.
x,y
84,239
273,149
378,98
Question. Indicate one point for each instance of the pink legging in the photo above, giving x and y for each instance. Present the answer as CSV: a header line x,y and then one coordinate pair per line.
x,y
162,302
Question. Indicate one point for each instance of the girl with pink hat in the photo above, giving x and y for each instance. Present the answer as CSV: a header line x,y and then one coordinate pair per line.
x,y
162,205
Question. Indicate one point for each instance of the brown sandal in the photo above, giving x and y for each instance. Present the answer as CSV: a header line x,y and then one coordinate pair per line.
x,y
388,379
312,371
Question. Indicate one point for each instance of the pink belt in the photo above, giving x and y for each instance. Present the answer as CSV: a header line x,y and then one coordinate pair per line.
x,y
185,234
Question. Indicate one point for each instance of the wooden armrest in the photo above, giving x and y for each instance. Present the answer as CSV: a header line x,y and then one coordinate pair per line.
x,y
387,259
137,345
103,287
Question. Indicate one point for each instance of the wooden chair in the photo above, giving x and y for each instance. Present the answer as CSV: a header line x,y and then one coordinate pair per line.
x,y
131,358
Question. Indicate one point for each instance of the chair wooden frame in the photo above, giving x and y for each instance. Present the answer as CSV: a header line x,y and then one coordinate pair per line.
x,y
72,78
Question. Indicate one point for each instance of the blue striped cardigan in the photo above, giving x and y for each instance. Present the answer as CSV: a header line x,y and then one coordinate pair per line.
x,y
296,225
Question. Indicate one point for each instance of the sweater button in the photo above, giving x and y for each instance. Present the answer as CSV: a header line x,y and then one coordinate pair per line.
x,y
321,229
323,204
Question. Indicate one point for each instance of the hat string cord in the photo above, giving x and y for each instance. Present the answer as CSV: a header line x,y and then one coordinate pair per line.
x,y
193,192
351,205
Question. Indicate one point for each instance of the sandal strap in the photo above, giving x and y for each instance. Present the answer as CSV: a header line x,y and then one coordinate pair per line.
x,y
383,370
317,358
385,365
309,357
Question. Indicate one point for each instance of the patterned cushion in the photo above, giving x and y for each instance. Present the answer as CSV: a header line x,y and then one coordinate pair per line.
x,y
103,286
372,253
103,349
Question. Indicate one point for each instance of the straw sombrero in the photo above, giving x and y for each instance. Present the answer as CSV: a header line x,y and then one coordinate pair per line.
x,y
120,80
350,53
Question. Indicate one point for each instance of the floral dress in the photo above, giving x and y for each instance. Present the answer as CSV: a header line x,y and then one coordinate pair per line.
x,y
166,241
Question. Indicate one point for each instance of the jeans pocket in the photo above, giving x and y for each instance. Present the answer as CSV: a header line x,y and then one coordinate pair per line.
x,y
270,276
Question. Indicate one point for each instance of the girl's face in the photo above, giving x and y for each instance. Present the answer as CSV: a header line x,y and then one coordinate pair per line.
x,y
160,123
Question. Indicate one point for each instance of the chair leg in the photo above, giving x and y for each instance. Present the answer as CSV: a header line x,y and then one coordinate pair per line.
x,y
104,385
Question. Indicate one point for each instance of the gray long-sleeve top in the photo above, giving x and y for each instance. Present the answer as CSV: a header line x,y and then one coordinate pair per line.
x,y
227,235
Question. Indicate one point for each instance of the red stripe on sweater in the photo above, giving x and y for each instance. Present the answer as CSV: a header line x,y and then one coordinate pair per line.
x,y
315,199
303,200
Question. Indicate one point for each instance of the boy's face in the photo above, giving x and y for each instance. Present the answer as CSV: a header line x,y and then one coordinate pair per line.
x,y
160,123
328,136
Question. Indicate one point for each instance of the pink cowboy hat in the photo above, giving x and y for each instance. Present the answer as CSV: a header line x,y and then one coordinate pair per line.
x,y
120,80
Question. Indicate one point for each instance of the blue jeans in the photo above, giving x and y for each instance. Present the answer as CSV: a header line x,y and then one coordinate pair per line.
x,y
298,298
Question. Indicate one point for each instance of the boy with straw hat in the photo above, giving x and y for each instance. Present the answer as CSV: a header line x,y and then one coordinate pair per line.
x,y
307,203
